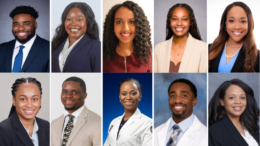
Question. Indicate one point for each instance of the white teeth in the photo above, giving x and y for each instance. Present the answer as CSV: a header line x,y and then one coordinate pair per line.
x,y
179,29
74,29
29,111
237,108
125,34
178,106
237,33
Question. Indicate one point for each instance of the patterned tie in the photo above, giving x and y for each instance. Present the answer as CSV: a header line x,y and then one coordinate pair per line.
x,y
175,133
68,130
18,60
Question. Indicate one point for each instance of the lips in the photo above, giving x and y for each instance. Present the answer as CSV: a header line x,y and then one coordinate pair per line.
x,y
178,107
74,30
129,103
179,29
69,101
29,111
125,35
237,108
237,33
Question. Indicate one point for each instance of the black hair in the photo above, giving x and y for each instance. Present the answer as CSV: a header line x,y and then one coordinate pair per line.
x,y
193,30
20,81
142,40
249,117
24,10
185,81
92,26
79,80
139,86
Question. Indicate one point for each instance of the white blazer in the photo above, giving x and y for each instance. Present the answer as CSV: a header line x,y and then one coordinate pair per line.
x,y
194,59
196,135
137,131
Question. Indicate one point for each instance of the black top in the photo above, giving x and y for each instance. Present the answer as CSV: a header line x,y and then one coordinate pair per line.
x,y
121,125
224,133
13,133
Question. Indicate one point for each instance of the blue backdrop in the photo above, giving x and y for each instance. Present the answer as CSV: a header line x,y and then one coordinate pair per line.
x,y
112,108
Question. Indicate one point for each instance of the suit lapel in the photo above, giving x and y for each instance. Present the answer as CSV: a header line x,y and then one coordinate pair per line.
x,y
187,53
41,134
167,60
256,137
36,47
20,132
161,135
239,61
55,58
58,130
9,56
215,62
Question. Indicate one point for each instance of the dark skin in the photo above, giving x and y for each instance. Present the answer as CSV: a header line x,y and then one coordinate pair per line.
x,y
181,101
72,96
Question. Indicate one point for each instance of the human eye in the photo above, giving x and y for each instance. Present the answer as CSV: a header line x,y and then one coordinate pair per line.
x,y
184,95
22,99
118,22
231,97
74,92
34,99
243,97
185,19
16,24
243,21
172,95
174,19
63,92
79,19
133,93
68,19
231,21
132,22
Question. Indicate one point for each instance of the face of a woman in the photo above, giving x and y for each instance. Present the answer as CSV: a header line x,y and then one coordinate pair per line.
x,y
75,23
124,25
180,22
129,95
237,24
27,101
234,101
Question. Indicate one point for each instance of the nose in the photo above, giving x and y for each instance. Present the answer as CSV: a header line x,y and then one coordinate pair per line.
x,y
126,27
21,27
237,25
237,100
179,22
128,96
29,103
74,22
178,99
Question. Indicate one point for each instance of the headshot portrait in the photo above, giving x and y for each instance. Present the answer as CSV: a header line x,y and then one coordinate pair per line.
x,y
25,110
180,109
76,35
180,36
233,109
25,45
232,36
127,45
127,109
76,109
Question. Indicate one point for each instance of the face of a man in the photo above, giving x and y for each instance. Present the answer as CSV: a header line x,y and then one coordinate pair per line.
x,y
72,96
181,101
24,26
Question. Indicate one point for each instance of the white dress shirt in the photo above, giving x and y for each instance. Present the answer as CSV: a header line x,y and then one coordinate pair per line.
x,y
65,52
76,114
34,137
249,139
26,49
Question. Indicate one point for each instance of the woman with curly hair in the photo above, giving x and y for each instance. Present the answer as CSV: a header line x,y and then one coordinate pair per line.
x,y
234,50
127,40
183,50
233,115
76,46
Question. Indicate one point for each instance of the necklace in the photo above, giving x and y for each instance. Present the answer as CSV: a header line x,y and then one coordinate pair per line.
x,y
232,55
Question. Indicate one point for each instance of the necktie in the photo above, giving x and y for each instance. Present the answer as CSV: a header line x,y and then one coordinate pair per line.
x,y
18,60
67,130
175,133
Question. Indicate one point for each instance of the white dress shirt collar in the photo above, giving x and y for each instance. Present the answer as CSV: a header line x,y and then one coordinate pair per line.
x,y
75,113
34,136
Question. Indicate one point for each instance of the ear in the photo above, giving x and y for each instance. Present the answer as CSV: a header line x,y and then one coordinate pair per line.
x,y
35,25
140,96
13,101
85,95
221,102
194,101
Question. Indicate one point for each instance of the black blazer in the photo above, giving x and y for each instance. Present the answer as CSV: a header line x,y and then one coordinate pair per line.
x,y
12,132
84,57
36,61
224,133
238,66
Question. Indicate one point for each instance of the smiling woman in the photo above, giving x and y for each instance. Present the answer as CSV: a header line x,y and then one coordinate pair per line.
x,y
33,131
76,45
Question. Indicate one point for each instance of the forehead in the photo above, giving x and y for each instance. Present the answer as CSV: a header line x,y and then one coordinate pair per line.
x,y
23,17
75,12
124,13
128,85
234,89
180,11
179,86
25,87
71,85
236,12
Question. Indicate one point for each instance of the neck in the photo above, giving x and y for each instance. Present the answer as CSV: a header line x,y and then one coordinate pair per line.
x,y
231,42
72,41
125,49
128,114
180,40
28,124
179,119
235,120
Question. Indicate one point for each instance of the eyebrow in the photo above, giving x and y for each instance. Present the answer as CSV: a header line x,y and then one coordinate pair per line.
x,y
240,18
182,16
180,91
26,96
23,22
122,19
235,94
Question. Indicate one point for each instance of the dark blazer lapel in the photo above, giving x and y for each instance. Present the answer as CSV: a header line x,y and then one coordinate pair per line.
x,y
41,134
256,137
9,56
215,62
55,58
76,48
22,135
239,62
236,136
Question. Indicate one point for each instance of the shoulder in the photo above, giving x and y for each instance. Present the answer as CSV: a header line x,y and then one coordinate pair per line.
x,y
42,40
157,129
42,122
57,121
3,45
200,45
146,119
5,125
216,128
162,44
93,116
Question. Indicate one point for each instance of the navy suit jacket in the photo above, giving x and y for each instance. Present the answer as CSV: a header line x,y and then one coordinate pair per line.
x,y
84,57
36,61
12,132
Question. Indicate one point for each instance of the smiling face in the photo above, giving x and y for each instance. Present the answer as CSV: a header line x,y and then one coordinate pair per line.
x,y
75,23
234,101
124,25
129,95
236,24
27,101
180,22
24,26
181,101
72,96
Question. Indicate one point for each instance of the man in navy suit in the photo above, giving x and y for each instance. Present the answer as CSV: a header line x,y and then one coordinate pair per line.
x,y
28,52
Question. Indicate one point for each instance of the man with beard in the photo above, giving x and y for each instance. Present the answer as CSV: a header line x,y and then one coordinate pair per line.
x,y
183,128
78,125
28,52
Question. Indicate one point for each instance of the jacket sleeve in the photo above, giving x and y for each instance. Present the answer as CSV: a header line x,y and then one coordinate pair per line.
x,y
147,134
96,59
155,59
203,61
96,139
213,141
107,143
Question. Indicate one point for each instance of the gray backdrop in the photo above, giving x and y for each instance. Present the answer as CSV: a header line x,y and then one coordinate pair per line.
x,y
43,8
162,81
161,8
7,80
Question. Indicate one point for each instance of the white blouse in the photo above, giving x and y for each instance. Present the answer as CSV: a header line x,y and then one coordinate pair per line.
x,y
249,139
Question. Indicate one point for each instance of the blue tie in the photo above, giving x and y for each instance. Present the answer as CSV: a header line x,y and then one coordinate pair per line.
x,y
173,138
18,60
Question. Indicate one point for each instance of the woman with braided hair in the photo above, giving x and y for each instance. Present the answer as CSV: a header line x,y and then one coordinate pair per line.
x,y
127,40
183,50
23,128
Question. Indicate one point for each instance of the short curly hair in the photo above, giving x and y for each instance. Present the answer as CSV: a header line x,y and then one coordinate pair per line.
x,y
24,10
142,40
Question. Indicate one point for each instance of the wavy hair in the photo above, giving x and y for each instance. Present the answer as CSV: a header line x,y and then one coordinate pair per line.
x,y
249,46
92,26
193,29
249,117
142,40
